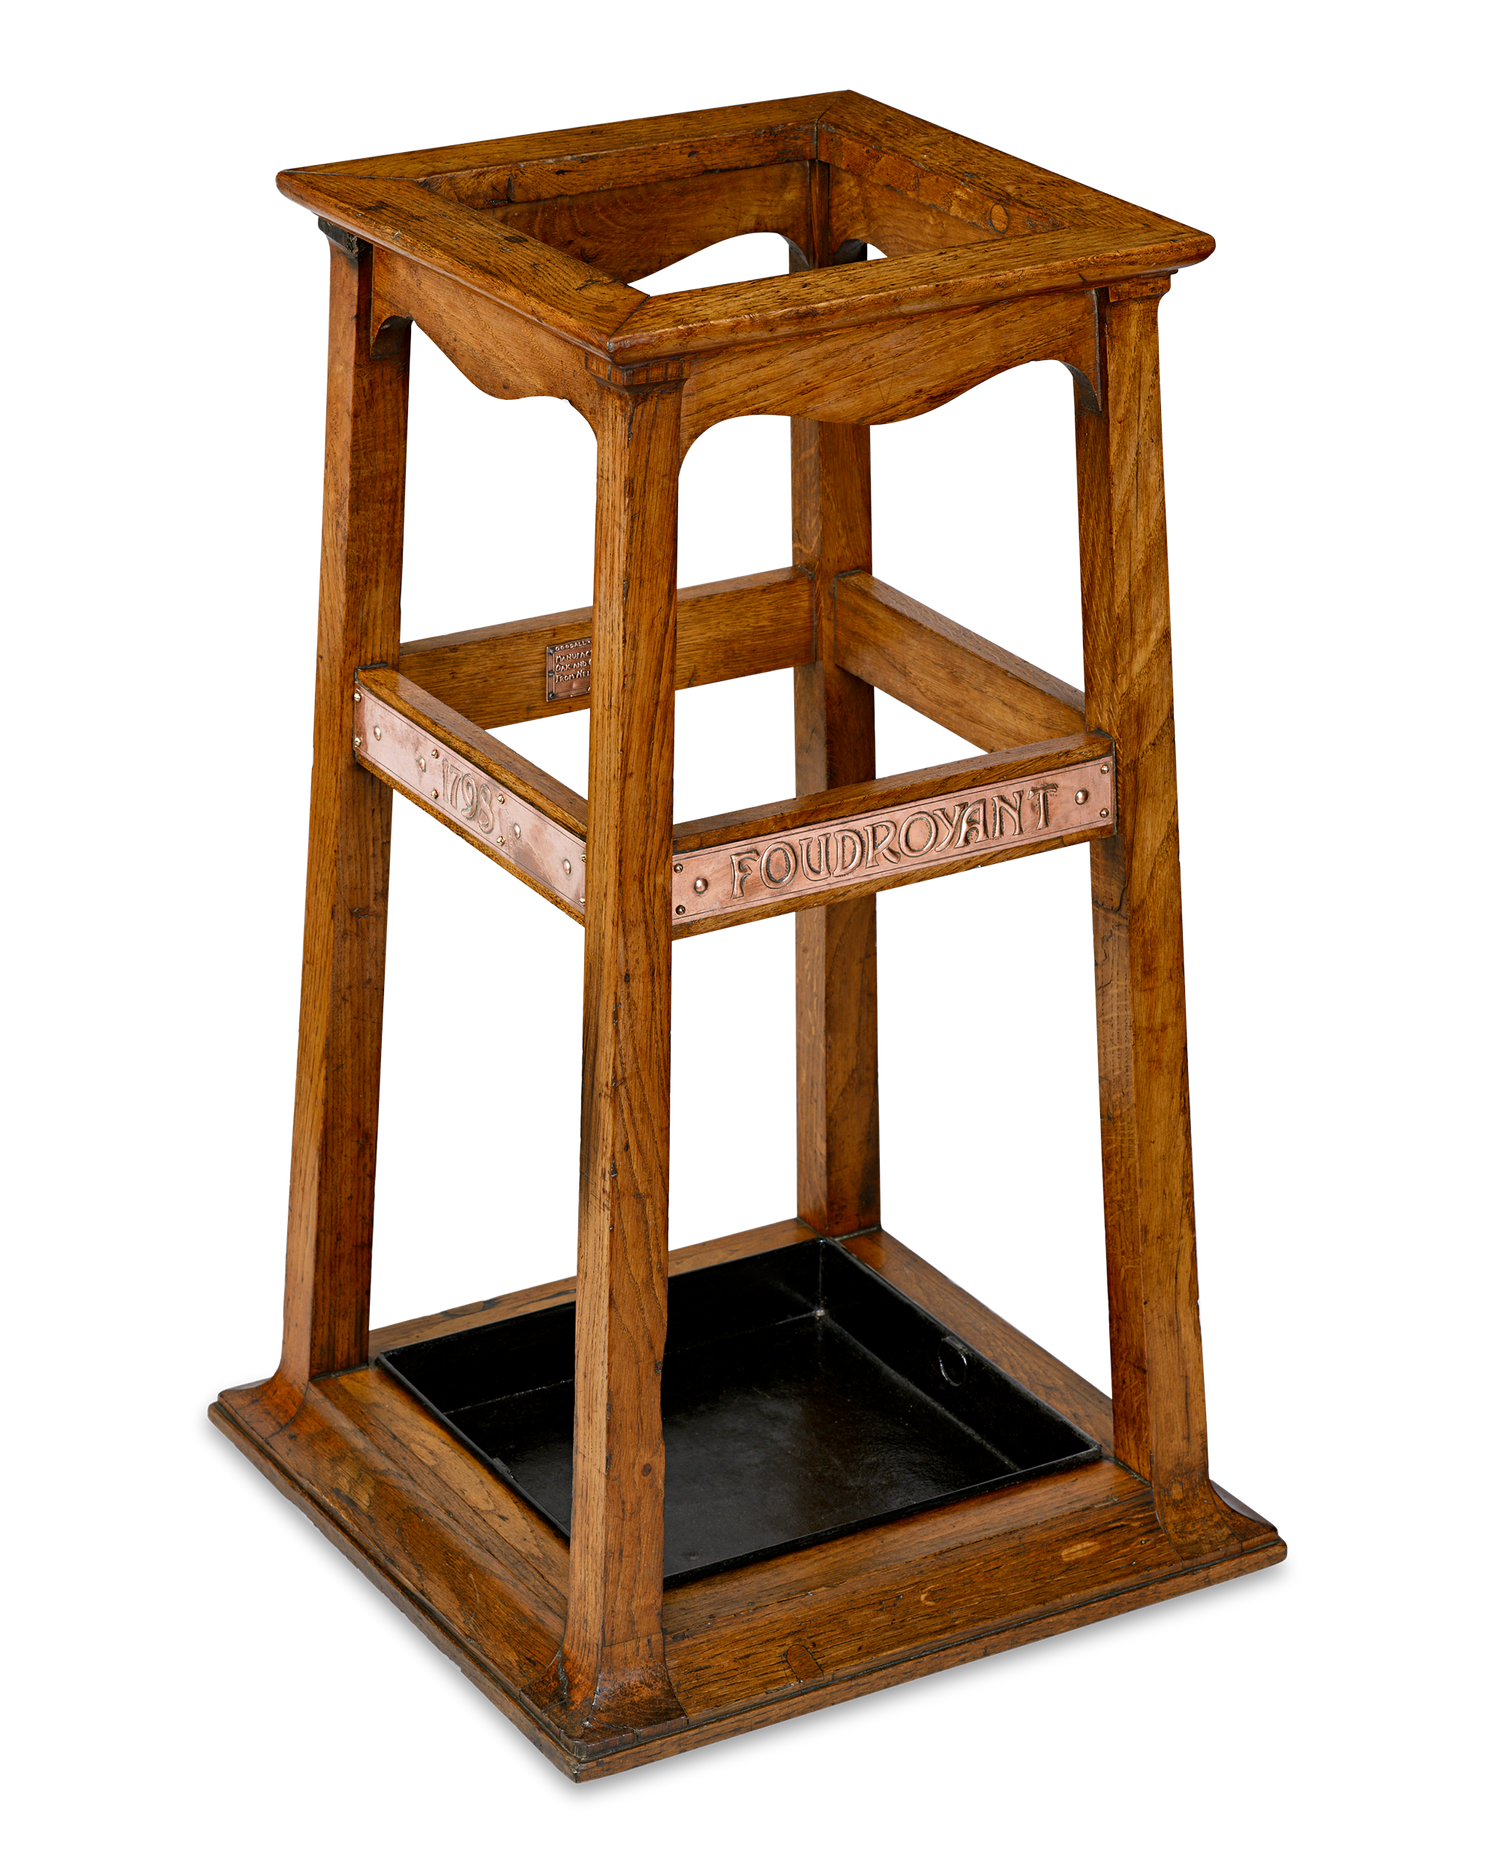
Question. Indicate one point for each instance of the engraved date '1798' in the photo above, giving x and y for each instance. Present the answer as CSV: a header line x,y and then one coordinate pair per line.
x,y
471,798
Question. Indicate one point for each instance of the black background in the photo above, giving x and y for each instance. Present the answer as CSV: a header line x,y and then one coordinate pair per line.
x,y
990,1157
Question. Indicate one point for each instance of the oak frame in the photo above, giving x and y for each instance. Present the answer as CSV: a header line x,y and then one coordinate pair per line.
x,y
521,277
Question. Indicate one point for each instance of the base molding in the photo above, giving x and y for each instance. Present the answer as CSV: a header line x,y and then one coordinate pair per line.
x,y
485,1578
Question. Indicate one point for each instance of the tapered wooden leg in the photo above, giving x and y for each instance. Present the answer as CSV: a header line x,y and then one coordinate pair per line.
x,y
614,1674
838,1110
1156,1350
343,962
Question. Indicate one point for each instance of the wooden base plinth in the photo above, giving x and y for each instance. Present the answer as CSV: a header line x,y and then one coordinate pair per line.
x,y
486,1578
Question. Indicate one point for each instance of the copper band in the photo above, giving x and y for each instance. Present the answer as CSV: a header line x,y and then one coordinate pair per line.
x,y
906,841
424,765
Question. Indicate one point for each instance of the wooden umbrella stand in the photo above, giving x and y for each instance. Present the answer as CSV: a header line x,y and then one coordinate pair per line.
x,y
836,1470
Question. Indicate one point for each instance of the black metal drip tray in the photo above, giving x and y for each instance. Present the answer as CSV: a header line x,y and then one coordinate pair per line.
x,y
802,1396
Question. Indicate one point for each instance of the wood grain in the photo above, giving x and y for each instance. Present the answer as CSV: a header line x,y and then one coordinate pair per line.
x,y
382,1572
613,1671
743,1243
1156,1350
707,318
952,675
752,1645
862,208
790,1699
540,164
726,628
499,349
447,209
331,1207
908,1607
481,1573
873,143
561,293
467,1544
838,1097
958,175
636,230
889,369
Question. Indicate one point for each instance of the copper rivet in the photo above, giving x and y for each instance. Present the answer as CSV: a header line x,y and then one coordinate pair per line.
x,y
677,869
436,796
700,885
377,731
1105,769
422,764
500,799
1104,813
356,742
1081,796
436,753
516,829
567,865
358,698
681,909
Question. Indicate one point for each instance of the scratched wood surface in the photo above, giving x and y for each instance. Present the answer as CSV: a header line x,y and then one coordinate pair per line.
x,y
331,1211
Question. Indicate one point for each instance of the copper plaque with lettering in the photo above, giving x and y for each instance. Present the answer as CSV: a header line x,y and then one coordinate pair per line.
x,y
905,841
569,668
510,829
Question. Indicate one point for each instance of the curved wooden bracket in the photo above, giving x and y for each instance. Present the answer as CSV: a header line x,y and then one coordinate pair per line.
x,y
499,351
895,368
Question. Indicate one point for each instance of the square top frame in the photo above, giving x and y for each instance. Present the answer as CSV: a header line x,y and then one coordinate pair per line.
x,y
515,257
554,226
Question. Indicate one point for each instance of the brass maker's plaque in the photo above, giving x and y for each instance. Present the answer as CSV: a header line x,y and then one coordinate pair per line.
x,y
570,668
890,843
427,768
